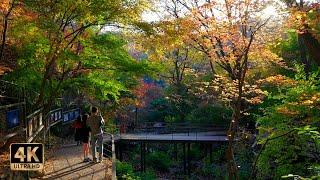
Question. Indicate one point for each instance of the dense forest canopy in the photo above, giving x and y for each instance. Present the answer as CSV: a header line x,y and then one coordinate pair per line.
x,y
250,66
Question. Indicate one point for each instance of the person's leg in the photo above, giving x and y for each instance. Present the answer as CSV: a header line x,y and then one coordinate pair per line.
x,y
100,146
93,147
84,151
77,136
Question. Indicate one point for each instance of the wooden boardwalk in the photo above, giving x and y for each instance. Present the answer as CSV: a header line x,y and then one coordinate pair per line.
x,y
67,163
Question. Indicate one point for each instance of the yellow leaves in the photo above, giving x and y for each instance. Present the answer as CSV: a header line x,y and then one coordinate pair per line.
x,y
228,91
286,111
264,56
307,102
316,97
300,16
278,80
255,100
304,103
306,19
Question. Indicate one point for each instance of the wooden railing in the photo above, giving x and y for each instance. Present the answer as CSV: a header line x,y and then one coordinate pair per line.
x,y
37,121
34,125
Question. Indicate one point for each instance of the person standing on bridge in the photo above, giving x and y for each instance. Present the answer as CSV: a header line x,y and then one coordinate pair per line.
x,y
96,123
85,136
77,126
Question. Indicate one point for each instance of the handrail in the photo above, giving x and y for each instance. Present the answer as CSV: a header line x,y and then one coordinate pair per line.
x,y
70,110
34,113
12,105
177,127
113,155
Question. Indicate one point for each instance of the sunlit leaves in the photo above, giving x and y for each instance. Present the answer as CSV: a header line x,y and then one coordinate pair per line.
x,y
306,19
298,110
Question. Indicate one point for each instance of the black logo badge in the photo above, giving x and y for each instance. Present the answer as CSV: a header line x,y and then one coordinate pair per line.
x,y
26,156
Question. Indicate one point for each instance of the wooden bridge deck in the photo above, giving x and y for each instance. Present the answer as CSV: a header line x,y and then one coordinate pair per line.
x,y
214,136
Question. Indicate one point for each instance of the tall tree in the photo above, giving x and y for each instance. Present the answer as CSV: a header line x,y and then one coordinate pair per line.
x,y
180,62
65,23
229,33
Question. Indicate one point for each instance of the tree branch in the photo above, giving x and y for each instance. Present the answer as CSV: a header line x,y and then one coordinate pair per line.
x,y
253,172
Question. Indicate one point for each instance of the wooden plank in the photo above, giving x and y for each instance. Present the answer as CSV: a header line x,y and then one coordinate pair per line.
x,y
30,139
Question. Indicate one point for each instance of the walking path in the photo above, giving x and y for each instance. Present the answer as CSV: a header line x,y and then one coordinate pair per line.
x,y
67,163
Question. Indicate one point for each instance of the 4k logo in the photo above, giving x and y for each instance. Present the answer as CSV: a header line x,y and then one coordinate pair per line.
x,y
26,156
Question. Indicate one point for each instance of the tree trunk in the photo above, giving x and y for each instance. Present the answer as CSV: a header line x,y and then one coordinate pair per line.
x,y
52,56
4,33
234,124
5,29
312,45
303,55
232,166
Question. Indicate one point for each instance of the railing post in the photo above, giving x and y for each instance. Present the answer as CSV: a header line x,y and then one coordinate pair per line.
x,y
196,135
188,157
175,151
184,159
210,149
114,174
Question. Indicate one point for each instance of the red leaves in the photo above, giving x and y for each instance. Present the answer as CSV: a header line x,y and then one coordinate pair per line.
x,y
145,93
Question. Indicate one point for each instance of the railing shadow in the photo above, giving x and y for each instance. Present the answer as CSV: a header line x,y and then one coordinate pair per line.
x,y
60,175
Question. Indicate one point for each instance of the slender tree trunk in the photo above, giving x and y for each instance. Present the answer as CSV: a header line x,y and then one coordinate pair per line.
x,y
51,63
5,29
234,124
4,34
303,55
212,68
232,166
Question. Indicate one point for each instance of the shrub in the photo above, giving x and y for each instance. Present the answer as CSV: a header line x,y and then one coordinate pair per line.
x,y
159,160
149,175
210,114
214,171
124,170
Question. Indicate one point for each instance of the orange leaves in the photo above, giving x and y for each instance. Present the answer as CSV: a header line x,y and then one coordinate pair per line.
x,y
4,69
15,8
310,100
278,80
4,5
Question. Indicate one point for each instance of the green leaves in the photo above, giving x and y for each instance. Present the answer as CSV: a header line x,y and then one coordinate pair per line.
x,y
309,131
298,110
